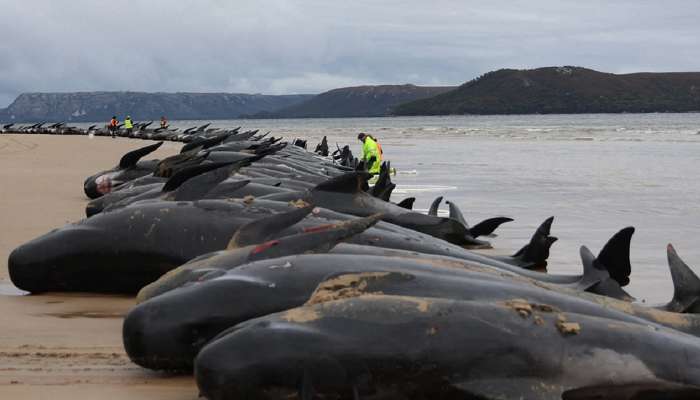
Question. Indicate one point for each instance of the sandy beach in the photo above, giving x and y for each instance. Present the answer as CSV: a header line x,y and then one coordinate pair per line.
x,y
64,346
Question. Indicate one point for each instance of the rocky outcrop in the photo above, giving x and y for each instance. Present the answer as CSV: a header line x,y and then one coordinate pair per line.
x,y
100,106
564,90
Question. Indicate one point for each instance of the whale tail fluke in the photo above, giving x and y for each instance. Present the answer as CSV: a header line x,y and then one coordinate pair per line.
x,y
534,254
407,203
615,256
131,158
433,210
483,228
686,285
596,278
488,226
384,187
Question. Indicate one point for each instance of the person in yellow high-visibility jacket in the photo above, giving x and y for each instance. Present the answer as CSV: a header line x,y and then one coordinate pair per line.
x,y
370,153
128,125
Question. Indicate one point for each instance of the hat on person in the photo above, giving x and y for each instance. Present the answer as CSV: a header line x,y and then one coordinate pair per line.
x,y
361,135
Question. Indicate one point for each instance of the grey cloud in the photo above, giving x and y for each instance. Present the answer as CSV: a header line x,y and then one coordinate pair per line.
x,y
276,46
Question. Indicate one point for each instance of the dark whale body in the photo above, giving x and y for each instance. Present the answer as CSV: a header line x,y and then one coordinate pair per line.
x,y
420,348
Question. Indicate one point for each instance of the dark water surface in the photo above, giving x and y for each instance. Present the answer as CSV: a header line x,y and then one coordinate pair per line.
x,y
595,173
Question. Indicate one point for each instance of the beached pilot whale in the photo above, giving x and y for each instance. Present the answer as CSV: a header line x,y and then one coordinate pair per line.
x,y
190,316
129,168
125,249
425,348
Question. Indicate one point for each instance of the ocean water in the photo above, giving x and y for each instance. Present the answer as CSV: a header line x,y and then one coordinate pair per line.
x,y
594,173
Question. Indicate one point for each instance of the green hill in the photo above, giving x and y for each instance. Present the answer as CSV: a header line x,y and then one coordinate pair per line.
x,y
565,90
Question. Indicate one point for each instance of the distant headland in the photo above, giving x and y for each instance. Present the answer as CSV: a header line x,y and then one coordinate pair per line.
x,y
549,90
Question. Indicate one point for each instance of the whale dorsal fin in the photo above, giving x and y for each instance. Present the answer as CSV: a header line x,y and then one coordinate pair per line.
x,y
686,284
615,256
407,203
433,210
131,158
456,214
352,182
260,230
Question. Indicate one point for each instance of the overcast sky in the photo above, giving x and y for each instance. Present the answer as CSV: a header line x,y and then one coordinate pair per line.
x,y
280,47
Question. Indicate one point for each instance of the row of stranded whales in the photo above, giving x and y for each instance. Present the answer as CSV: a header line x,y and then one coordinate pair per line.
x,y
181,300
273,272
140,130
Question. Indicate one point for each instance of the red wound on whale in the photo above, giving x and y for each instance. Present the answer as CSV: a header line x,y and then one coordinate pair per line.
x,y
264,246
104,184
319,228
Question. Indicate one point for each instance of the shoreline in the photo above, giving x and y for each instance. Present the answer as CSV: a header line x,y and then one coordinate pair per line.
x,y
65,345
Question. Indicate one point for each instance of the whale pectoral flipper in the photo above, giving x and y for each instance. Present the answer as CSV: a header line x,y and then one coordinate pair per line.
x,y
170,165
260,230
686,285
181,176
318,239
131,158
198,186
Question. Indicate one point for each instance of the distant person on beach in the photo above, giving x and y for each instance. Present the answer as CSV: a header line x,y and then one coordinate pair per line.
x,y
371,154
113,124
128,125
163,122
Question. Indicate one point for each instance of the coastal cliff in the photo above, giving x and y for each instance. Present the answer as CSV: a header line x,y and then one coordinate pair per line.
x,y
100,106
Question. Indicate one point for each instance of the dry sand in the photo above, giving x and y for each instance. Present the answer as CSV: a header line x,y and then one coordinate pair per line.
x,y
64,346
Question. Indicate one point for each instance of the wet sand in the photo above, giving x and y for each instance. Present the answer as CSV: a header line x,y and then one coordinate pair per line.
x,y
64,346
